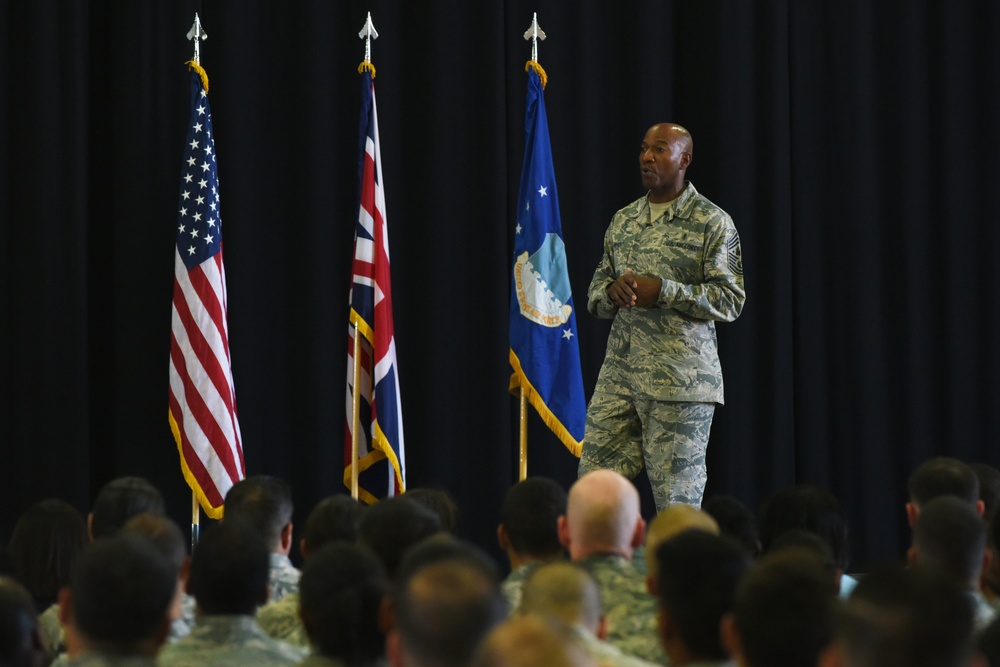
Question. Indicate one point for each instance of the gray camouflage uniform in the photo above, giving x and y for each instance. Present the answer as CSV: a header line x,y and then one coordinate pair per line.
x,y
103,659
661,378
228,641
514,584
630,610
605,653
280,620
282,579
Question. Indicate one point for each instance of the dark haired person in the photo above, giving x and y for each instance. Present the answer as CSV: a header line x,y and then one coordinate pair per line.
x,y
942,476
47,539
20,642
120,500
334,520
343,587
264,502
229,581
699,575
529,531
117,608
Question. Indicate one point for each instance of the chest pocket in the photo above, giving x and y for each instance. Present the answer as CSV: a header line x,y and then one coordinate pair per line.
x,y
667,251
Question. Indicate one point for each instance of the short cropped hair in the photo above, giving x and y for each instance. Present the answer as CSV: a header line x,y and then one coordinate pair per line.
x,y
698,576
120,500
943,476
735,520
951,536
391,526
905,617
342,588
163,534
264,502
806,507
229,569
122,590
445,607
334,519
530,515
784,610
989,488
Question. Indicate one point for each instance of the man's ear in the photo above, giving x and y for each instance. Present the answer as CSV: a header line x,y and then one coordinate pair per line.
x,y
729,633
502,539
912,512
286,538
563,528
304,548
602,628
980,507
639,535
65,606
393,650
90,526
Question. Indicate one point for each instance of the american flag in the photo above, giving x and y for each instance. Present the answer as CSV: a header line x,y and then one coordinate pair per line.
x,y
381,460
202,400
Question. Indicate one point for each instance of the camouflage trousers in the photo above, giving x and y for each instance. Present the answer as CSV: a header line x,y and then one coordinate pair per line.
x,y
669,438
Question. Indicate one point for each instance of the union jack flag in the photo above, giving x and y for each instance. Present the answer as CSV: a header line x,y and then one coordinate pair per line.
x,y
381,460
202,400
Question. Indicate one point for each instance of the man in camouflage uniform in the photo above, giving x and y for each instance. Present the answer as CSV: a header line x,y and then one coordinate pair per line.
x,y
671,268
116,610
229,573
601,528
265,503
528,531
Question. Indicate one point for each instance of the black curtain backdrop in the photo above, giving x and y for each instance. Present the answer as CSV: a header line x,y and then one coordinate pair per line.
x,y
854,143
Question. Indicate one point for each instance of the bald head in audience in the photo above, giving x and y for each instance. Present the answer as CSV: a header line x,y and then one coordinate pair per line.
x,y
602,516
530,641
566,592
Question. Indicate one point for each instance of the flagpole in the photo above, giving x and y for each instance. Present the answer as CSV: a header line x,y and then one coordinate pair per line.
x,y
197,35
355,412
523,458
534,33
368,33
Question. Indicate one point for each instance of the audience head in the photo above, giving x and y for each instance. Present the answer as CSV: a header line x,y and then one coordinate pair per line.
x,y
391,526
903,617
942,476
229,570
342,587
809,541
530,641
950,536
699,574
120,500
20,642
263,502
566,592
120,595
602,516
672,521
168,539
735,520
438,501
447,598
529,519
334,519
989,488
782,614
806,507
46,541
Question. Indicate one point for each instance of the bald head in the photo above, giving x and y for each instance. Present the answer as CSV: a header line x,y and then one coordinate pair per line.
x,y
525,641
672,521
676,134
602,516
563,591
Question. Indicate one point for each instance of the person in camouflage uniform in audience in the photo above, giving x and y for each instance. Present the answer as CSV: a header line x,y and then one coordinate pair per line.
x,y
601,528
265,503
334,520
672,267
229,580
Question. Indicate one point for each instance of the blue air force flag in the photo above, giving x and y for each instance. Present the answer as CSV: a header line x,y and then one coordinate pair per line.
x,y
544,353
